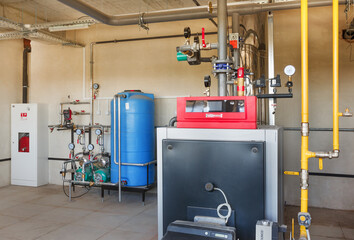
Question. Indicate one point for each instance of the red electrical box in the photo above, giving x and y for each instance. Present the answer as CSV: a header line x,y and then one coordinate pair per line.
x,y
232,112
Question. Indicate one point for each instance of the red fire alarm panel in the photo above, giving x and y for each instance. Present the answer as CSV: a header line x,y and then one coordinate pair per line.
x,y
232,112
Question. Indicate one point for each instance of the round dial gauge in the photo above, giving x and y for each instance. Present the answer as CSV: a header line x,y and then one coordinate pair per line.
x,y
96,86
98,131
289,70
90,147
78,131
71,146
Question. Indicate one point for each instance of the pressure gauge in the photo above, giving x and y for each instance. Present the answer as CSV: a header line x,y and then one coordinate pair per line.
x,y
78,131
98,132
289,70
90,147
95,86
71,146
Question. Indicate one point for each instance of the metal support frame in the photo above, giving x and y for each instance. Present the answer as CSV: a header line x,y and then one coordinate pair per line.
x,y
271,101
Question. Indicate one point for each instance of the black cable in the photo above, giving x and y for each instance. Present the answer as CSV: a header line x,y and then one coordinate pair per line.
x,y
87,190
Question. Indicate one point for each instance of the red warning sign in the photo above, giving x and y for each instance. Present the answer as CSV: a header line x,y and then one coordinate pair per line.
x,y
24,116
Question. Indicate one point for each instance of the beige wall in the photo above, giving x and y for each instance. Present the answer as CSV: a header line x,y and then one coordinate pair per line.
x,y
57,73
324,191
10,82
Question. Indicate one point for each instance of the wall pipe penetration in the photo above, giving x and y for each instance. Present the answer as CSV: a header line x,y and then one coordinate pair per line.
x,y
180,14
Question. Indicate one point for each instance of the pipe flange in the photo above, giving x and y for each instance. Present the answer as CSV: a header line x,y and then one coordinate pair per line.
x,y
225,61
227,71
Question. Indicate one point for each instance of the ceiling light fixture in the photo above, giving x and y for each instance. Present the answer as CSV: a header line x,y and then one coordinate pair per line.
x,y
69,27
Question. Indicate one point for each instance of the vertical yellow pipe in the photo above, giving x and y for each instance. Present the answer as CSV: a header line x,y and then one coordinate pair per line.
x,y
304,103
335,77
304,61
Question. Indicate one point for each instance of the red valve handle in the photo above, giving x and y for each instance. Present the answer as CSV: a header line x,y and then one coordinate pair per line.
x,y
89,157
203,37
78,141
69,155
97,140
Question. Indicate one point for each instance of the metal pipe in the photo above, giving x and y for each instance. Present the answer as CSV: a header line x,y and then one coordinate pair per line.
x,y
305,153
26,50
222,43
236,53
336,113
319,129
117,129
271,101
91,84
198,12
172,122
139,164
119,157
74,103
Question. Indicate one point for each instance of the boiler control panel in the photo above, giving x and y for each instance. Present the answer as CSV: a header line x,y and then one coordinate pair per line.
x,y
231,112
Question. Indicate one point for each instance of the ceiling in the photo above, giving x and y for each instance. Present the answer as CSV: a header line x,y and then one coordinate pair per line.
x,y
52,10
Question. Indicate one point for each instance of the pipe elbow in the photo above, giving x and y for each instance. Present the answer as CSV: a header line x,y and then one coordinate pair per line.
x,y
330,154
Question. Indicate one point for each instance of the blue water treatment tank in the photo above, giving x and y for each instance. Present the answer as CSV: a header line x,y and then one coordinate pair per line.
x,y
137,138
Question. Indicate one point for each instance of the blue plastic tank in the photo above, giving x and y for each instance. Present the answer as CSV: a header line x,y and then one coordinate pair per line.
x,y
137,139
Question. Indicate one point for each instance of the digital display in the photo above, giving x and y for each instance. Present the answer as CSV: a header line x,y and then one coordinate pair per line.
x,y
215,106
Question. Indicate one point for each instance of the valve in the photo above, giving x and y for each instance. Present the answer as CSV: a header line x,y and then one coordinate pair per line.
x,y
320,163
187,32
292,173
304,219
203,38
347,113
207,81
207,84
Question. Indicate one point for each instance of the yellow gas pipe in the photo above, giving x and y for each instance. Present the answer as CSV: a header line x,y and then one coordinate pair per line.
x,y
305,153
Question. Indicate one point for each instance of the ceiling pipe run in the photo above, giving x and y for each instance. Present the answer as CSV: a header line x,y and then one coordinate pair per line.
x,y
179,14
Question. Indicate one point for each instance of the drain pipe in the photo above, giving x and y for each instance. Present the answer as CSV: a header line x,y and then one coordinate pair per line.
x,y
26,50
222,43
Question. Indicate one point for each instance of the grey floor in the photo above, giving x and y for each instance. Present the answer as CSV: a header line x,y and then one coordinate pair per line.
x,y
45,213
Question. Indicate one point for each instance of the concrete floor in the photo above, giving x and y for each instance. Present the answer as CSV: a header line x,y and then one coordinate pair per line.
x,y
45,213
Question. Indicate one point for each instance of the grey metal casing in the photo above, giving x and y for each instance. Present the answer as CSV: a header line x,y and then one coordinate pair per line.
x,y
271,135
236,167
266,230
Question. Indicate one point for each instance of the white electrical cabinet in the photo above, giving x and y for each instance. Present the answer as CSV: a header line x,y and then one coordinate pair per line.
x,y
29,144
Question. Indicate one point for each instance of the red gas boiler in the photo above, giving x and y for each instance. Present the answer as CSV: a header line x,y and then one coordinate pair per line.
x,y
232,112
